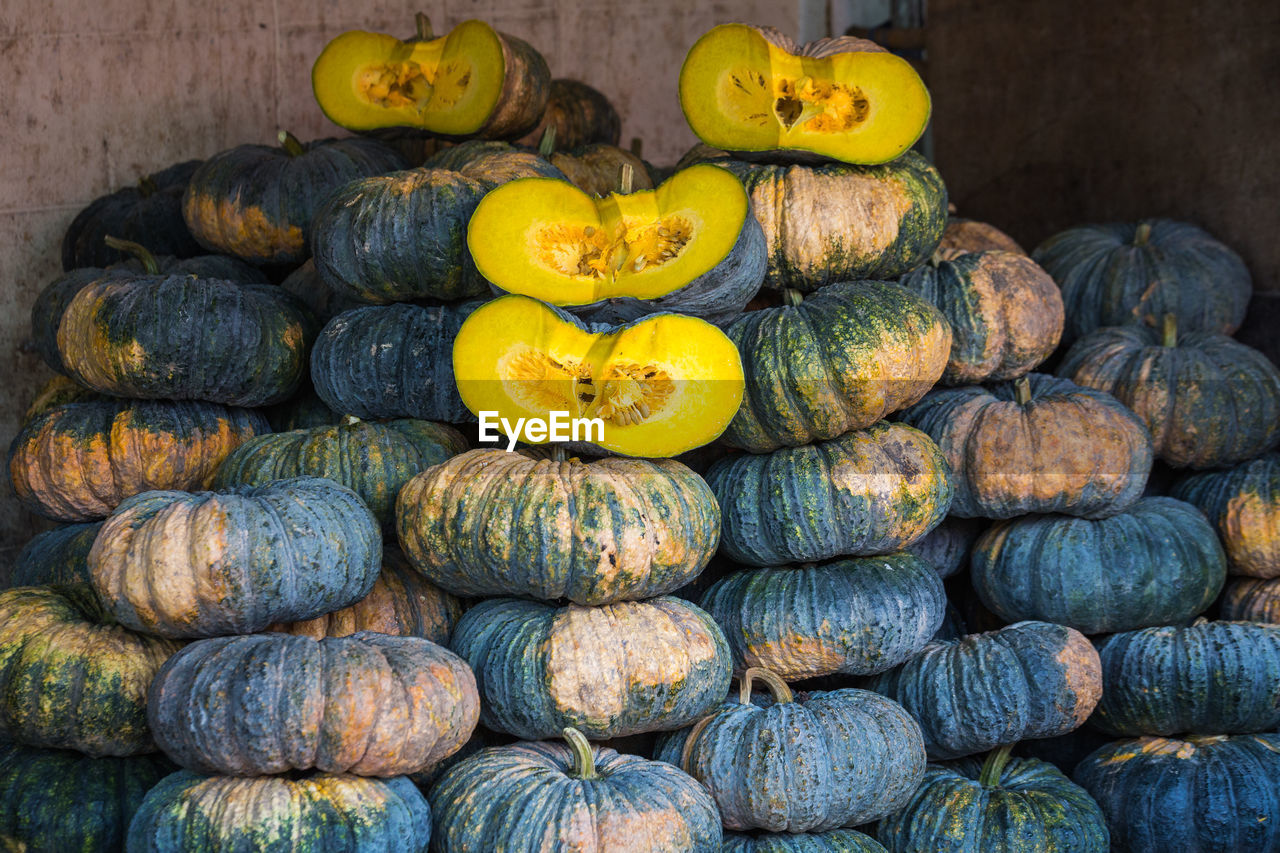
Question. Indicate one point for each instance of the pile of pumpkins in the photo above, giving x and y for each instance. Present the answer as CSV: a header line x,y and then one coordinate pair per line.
x,y
296,602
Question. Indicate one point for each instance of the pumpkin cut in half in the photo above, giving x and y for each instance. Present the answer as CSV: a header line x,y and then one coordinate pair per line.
x,y
692,245
746,88
660,386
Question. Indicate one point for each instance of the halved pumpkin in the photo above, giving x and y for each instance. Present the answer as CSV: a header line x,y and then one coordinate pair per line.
x,y
662,385
473,81
746,88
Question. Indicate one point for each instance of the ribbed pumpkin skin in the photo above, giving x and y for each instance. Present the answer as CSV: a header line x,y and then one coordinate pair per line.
x,y
1243,505
368,704
1156,564
1208,678
963,236
1004,311
1198,795
872,491
841,360
69,677
1029,680
192,813
324,301
607,671
1108,281
490,522
1071,450
1207,402
185,338
947,546
580,114
393,361
1252,600
57,556
372,459
524,799
55,801
1033,807
208,564
257,201
79,461
854,617
835,841
58,391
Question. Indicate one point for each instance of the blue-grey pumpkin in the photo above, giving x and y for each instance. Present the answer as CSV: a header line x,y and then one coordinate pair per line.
x,y
1243,505
948,545
835,841
57,556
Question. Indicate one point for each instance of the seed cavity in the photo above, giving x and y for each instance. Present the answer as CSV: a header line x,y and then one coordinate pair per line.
x,y
623,394
600,253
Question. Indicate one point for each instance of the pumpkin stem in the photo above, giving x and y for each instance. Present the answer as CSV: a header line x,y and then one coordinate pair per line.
x,y
547,144
423,24
1142,235
147,186
290,143
792,297
781,692
559,454
993,767
694,734
1169,330
627,178
1022,390
637,145
139,251
584,760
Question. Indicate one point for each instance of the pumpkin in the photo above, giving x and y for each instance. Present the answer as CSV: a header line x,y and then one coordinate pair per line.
x,y
948,545
837,361
372,459
490,522
612,670
257,201
962,236
474,81
804,763
1243,505
1126,274
1021,804
207,564
57,392
1005,313
1207,678
1029,680
835,841
78,461
853,617
1037,444
70,678
304,410
54,801
1252,599
531,797
393,361
1203,793
656,387
324,302
1207,400
871,491
835,222
401,603
690,246
57,556
580,114
596,169
1154,564
753,89
321,812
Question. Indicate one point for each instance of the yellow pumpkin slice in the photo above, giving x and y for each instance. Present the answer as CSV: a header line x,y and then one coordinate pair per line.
x,y
746,88
660,386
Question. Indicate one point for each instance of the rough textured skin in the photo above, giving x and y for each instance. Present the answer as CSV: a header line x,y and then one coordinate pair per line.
x,y
79,461
325,302
368,704
58,556
580,114
856,616
526,86
321,812
69,677
257,201
1070,449
490,522
393,361
209,564
1243,505
1207,678
962,236
948,545
1252,599
57,801
835,841
303,410
1207,402
1157,563
872,491
1032,807
607,671
526,798
823,761
58,391
1005,313
1106,280
372,459
1029,680
1199,795
596,168
846,357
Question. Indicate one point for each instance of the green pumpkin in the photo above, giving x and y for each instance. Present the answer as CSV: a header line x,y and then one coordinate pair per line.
x,y
948,545
57,556
871,491
1252,600
324,301
1243,505
1157,563
303,410
835,841
842,359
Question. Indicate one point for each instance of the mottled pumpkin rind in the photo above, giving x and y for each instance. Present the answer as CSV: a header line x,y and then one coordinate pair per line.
x,y
1243,505
58,556
835,841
